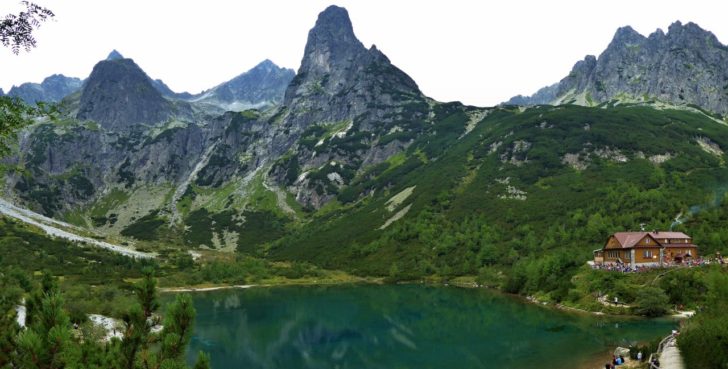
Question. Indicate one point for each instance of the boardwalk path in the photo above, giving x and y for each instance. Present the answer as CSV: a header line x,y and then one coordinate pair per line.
x,y
670,357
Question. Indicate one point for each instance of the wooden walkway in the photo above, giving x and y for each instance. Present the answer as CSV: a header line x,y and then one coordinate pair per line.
x,y
670,357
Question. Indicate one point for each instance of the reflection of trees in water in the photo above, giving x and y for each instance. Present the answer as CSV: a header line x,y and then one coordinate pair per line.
x,y
373,326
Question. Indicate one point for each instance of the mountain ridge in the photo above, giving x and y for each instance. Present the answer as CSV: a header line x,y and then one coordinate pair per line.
x,y
52,89
686,65
261,86
356,146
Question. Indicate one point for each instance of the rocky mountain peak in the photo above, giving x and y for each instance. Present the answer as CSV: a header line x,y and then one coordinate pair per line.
x,y
338,76
266,64
332,27
686,65
118,94
263,85
343,84
691,34
627,36
52,89
114,55
330,41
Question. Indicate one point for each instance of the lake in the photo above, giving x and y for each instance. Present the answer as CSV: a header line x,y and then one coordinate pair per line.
x,y
400,326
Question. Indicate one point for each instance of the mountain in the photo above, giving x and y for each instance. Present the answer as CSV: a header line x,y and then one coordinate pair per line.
x,y
686,66
352,107
261,86
337,70
160,86
157,83
118,94
52,89
543,96
355,168
114,55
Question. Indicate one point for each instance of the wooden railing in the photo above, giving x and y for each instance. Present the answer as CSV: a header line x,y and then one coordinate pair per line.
x,y
660,347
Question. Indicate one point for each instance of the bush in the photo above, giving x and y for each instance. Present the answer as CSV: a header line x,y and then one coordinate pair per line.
x,y
651,301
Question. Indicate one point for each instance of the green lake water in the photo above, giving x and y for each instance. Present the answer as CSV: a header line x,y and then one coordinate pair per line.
x,y
400,326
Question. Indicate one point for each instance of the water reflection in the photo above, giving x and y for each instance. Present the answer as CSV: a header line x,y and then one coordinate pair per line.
x,y
397,327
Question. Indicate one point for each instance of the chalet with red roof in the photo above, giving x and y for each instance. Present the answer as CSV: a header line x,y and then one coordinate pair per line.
x,y
655,248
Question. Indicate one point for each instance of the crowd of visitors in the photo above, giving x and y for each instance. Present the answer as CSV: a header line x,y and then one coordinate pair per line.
x,y
689,263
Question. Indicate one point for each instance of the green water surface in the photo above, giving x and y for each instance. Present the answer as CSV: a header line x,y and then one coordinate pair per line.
x,y
400,326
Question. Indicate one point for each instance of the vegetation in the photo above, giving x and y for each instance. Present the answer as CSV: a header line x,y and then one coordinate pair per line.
x,y
145,228
50,340
503,198
16,30
704,339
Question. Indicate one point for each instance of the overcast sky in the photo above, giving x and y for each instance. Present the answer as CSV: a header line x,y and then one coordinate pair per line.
x,y
478,52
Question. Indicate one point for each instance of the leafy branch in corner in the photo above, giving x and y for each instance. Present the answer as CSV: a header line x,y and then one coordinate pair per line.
x,y
16,30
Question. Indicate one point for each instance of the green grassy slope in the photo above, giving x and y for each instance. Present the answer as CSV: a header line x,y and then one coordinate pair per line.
x,y
503,194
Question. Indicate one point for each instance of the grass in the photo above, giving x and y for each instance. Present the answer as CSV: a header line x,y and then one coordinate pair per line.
x,y
565,210
113,199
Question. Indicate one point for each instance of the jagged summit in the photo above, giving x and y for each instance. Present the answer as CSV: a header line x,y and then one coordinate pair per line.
x,y
52,89
339,77
686,65
118,94
114,55
262,85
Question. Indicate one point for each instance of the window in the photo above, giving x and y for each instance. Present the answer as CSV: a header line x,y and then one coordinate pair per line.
x,y
690,252
647,254
647,240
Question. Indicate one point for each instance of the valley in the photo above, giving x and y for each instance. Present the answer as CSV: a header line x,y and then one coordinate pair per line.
x,y
345,173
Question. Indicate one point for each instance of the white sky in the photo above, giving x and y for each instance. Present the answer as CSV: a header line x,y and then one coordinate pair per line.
x,y
478,52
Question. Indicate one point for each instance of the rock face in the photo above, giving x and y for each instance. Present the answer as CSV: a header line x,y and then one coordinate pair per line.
x,y
119,95
343,103
688,65
348,108
545,95
114,55
52,89
262,86
339,78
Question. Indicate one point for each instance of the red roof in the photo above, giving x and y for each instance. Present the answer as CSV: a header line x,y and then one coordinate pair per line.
x,y
630,239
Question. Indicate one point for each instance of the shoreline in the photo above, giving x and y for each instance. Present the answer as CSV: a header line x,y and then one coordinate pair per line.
x,y
205,289
457,284
283,283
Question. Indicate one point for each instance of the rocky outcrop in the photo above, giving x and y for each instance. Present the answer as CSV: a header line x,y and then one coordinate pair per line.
x,y
52,89
545,95
119,95
686,65
340,79
262,86
347,109
343,102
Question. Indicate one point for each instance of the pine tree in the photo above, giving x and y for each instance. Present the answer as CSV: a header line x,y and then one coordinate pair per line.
x,y
203,361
